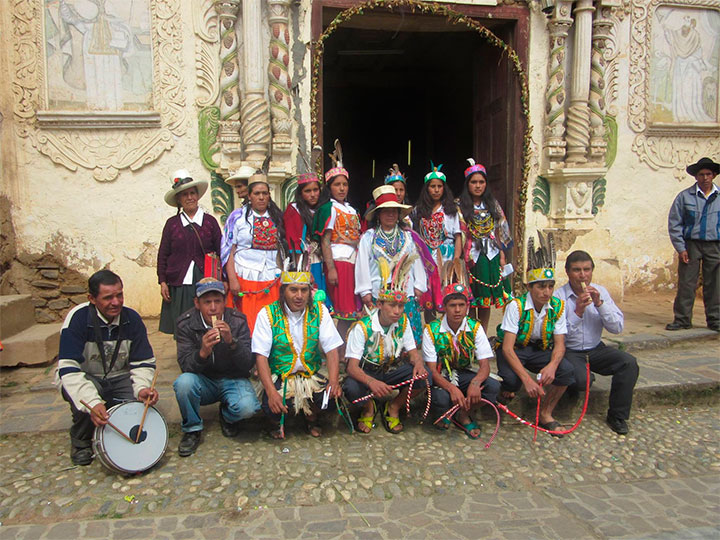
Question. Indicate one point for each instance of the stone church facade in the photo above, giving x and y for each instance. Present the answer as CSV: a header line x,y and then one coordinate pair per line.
x,y
605,103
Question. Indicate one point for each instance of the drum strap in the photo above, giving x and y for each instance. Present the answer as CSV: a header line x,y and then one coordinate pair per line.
x,y
101,344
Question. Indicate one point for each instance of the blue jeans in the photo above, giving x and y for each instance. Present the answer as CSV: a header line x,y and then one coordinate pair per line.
x,y
193,390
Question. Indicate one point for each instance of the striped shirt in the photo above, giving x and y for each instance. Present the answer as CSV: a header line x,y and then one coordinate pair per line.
x,y
693,216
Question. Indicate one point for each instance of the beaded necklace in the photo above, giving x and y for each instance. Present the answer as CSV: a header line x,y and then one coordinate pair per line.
x,y
391,243
481,224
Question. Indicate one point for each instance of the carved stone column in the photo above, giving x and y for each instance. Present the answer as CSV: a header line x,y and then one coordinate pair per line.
x,y
280,81
558,27
602,26
578,122
229,128
254,111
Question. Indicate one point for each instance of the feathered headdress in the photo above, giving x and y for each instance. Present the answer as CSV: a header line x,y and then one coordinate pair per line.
x,y
289,275
394,289
395,175
541,261
261,174
474,168
310,175
435,173
453,275
337,161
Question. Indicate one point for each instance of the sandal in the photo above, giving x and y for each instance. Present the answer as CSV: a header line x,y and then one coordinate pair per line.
x,y
313,427
552,426
391,423
443,424
468,428
367,421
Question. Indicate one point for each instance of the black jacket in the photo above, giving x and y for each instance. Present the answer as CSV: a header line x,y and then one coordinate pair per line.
x,y
224,362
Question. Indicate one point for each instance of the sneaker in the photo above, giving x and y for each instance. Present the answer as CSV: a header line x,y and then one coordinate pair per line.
x,y
228,429
81,456
189,443
618,425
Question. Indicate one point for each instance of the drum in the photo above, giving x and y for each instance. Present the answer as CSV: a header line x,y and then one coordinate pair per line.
x,y
121,456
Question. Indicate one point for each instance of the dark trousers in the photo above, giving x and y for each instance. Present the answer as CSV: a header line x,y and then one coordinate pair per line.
x,y
317,400
606,360
441,401
533,359
354,389
707,254
112,391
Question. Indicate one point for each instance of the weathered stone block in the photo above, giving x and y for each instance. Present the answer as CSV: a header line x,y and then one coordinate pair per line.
x,y
60,303
44,316
78,298
42,284
50,274
39,302
49,294
73,289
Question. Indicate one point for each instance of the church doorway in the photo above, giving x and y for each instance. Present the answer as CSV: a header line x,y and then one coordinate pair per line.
x,y
409,88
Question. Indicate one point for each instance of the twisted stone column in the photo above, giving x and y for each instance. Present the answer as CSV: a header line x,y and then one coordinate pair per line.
x,y
254,112
578,122
280,81
229,125
601,32
554,142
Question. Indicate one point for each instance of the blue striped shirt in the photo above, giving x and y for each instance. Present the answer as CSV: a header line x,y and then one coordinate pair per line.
x,y
693,216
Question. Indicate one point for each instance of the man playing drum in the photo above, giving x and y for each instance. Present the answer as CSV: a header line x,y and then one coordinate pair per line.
x,y
213,347
105,358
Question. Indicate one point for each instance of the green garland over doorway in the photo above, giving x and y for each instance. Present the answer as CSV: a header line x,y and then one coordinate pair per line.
x,y
454,17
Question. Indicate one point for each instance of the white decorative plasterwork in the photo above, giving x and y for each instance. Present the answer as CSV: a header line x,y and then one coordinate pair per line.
x,y
104,151
207,50
661,147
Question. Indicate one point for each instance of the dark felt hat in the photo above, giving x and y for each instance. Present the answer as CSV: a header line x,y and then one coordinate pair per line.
x,y
703,163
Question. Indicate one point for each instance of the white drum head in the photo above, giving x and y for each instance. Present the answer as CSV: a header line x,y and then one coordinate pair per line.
x,y
116,452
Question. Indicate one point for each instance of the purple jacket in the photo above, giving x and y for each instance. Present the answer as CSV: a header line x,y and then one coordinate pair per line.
x,y
179,245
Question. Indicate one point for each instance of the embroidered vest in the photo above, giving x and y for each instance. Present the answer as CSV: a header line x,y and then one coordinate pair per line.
x,y
347,228
447,354
527,320
375,353
283,354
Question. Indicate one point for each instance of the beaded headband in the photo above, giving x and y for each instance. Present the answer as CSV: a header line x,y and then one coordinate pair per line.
x,y
337,161
456,288
299,278
395,175
474,168
541,261
390,295
306,178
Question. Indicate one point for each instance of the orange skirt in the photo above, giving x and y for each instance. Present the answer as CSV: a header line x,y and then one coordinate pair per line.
x,y
254,298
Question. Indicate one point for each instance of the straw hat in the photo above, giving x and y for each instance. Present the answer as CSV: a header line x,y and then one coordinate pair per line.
x,y
182,181
385,197
243,173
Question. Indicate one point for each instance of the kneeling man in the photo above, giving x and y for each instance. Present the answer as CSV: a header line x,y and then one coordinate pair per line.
x,y
458,353
105,359
213,347
291,336
590,309
532,337
375,362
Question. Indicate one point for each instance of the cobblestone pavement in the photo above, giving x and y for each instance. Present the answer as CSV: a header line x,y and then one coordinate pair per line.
x,y
660,481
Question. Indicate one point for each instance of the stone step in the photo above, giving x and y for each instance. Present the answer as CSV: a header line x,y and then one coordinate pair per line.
x,y
38,344
17,313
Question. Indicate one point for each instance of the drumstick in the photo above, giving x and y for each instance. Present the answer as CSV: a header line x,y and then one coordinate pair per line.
x,y
147,405
109,423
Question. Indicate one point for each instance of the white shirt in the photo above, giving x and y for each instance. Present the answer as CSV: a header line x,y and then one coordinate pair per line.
x,y
482,345
262,339
367,272
702,193
356,339
197,219
252,264
585,333
340,251
511,318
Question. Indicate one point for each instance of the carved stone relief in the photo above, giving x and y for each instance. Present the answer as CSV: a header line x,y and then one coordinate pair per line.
x,y
679,143
104,151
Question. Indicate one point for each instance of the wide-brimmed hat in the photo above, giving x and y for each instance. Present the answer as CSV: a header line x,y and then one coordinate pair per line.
x,y
243,173
182,181
385,197
703,163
